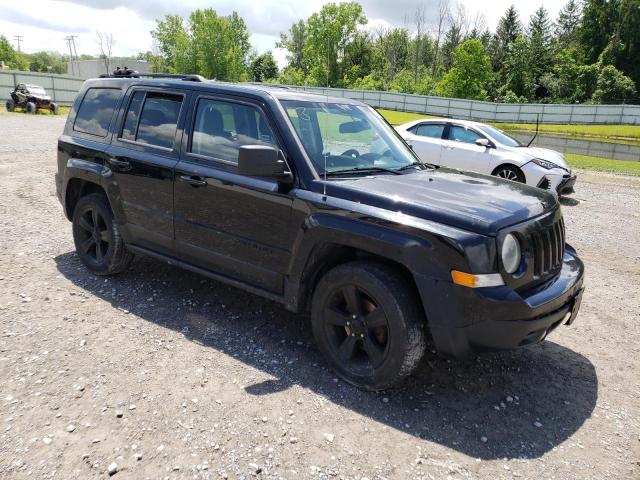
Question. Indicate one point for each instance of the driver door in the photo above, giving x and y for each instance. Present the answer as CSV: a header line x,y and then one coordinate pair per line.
x,y
460,150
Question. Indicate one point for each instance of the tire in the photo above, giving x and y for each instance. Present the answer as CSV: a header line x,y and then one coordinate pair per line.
x,y
509,172
53,108
96,237
31,107
368,322
11,105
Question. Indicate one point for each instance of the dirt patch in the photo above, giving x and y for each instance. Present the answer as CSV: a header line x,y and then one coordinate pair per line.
x,y
160,373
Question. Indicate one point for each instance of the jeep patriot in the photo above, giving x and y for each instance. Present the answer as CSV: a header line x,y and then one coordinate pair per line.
x,y
317,203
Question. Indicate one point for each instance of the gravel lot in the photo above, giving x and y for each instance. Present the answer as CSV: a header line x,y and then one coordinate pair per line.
x,y
160,373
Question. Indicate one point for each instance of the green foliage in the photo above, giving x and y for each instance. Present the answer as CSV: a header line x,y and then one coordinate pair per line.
x,y
470,74
294,42
508,30
517,69
210,45
12,59
263,68
613,86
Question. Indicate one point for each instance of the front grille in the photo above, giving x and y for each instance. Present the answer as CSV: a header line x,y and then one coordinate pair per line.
x,y
548,249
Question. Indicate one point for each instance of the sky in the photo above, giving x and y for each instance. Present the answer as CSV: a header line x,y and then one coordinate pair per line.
x,y
44,24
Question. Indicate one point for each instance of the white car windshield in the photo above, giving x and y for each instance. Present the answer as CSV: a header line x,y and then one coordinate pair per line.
x,y
500,136
343,138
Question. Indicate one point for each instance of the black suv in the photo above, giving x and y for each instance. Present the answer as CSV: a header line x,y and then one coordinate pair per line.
x,y
317,203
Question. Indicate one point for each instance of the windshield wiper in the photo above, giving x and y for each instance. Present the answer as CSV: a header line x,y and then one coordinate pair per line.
x,y
363,170
416,164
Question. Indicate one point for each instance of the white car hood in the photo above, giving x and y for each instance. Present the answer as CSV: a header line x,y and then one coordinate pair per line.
x,y
542,154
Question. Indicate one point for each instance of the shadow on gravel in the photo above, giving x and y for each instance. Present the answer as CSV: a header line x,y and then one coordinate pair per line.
x,y
524,402
569,202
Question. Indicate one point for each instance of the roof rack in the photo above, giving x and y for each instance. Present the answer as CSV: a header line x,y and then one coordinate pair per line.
x,y
268,85
186,78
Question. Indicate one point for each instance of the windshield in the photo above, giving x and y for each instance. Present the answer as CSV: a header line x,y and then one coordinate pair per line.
x,y
347,137
35,90
500,137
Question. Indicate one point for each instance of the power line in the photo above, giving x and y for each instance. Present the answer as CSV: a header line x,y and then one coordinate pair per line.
x,y
18,39
69,39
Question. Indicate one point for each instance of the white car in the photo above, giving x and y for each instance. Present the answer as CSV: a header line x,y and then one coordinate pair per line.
x,y
481,148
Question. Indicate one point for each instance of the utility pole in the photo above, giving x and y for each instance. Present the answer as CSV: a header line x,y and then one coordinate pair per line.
x,y
73,42
18,39
68,40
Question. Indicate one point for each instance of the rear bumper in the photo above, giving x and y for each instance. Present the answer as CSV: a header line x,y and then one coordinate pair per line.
x,y
465,321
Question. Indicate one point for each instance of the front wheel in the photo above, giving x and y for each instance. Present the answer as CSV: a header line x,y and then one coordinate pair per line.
x,y
368,322
96,237
509,172
53,107
31,107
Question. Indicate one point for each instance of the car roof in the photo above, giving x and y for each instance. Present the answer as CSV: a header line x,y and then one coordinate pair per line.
x,y
467,123
253,89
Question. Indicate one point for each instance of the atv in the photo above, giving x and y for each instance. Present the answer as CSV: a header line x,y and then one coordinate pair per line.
x,y
31,98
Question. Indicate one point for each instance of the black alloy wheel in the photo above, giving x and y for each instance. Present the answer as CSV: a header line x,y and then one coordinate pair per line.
x,y
368,322
510,173
96,236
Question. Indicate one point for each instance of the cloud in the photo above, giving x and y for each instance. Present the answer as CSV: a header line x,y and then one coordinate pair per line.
x,y
22,18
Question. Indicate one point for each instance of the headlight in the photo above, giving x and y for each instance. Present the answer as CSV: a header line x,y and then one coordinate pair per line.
x,y
511,253
544,163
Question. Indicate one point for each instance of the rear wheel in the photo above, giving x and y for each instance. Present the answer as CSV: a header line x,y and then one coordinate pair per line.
x,y
11,105
31,107
509,172
369,324
96,237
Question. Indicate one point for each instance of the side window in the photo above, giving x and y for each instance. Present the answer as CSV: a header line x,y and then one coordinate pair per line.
x,y
96,111
220,128
157,119
463,134
432,130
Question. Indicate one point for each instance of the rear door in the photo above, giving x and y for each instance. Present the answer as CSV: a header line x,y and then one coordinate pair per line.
x,y
234,225
142,157
427,141
460,150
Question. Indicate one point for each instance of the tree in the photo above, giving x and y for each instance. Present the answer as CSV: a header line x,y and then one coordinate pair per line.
x,y
517,69
507,32
12,59
539,45
210,44
470,74
394,46
50,62
329,32
295,42
613,86
106,42
567,23
263,68
444,15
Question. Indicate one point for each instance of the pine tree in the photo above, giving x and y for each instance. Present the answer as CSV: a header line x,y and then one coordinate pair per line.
x,y
568,22
509,28
539,44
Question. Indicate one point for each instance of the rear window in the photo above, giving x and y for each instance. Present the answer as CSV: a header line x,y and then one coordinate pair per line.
x,y
152,119
96,111
432,130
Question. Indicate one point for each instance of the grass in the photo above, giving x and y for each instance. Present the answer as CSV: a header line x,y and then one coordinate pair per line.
x,y
63,111
603,164
611,133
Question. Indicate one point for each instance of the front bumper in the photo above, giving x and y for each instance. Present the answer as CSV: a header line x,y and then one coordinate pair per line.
x,y
465,321
566,185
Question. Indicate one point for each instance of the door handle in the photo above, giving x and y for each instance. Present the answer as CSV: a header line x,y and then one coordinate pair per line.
x,y
194,180
121,164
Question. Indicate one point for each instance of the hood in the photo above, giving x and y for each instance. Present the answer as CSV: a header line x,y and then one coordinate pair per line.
x,y
542,154
473,202
40,97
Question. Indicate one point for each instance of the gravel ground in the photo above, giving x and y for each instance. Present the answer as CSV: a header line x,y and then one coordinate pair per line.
x,y
160,373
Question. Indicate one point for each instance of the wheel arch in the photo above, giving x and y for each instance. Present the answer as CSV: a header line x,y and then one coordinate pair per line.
x,y
508,163
76,189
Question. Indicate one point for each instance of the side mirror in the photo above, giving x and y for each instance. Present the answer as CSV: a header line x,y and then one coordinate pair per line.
x,y
484,142
261,161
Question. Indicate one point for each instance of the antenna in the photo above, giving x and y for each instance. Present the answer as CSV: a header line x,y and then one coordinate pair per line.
x,y
326,124
537,128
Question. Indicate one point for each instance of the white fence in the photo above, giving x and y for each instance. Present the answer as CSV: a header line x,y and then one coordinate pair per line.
x,y
489,111
63,89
